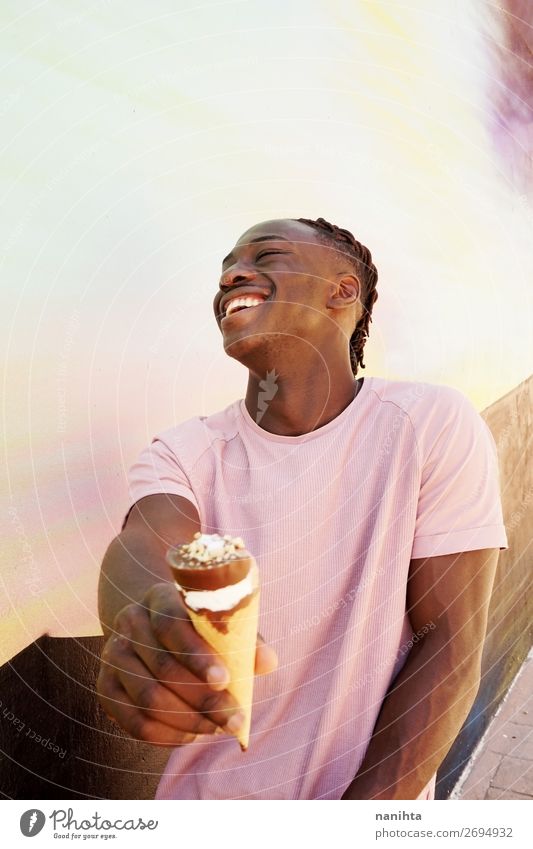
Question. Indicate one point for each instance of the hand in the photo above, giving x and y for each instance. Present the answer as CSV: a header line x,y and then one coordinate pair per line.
x,y
160,680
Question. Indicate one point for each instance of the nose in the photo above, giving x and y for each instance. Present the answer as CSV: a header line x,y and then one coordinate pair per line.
x,y
237,275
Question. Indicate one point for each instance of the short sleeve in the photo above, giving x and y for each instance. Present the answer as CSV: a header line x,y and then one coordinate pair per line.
x,y
157,471
459,504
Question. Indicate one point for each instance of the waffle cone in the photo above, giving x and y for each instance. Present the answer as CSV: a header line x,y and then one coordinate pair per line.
x,y
237,650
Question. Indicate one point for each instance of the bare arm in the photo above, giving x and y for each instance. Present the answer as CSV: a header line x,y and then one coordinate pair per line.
x,y
135,560
433,693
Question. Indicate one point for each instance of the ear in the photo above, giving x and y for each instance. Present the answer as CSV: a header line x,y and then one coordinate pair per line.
x,y
344,292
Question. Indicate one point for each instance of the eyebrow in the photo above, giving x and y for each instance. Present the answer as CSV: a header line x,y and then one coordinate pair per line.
x,y
269,238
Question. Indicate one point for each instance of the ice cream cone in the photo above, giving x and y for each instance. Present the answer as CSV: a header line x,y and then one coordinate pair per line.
x,y
219,582
237,650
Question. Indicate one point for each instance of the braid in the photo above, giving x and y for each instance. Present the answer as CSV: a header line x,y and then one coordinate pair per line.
x,y
361,257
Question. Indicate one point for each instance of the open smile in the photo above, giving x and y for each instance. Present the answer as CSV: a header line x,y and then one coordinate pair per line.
x,y
242,303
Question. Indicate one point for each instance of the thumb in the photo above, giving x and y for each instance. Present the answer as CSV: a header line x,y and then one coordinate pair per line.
x,y
266,659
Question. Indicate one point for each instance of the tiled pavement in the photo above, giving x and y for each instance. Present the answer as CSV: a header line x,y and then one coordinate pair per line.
x,y
502,768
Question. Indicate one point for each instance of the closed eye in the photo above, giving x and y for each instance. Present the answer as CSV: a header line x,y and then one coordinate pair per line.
x,y
268,253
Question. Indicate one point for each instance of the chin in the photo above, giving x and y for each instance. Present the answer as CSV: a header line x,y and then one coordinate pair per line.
x,y
243,349
258,352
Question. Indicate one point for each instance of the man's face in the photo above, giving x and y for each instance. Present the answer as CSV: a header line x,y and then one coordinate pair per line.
x,y
273,291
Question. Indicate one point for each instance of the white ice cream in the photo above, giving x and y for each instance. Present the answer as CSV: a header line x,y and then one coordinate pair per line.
x,y
223,599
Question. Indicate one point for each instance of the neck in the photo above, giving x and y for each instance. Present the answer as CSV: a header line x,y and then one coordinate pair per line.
x,y
291,403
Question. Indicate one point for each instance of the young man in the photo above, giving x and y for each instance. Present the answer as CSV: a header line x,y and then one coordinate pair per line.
x,y
373,510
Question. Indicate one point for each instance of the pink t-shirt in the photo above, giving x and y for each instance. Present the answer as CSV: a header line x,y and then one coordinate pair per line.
x,y
333,517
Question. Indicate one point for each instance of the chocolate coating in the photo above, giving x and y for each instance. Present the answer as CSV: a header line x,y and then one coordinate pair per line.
x,y
192,575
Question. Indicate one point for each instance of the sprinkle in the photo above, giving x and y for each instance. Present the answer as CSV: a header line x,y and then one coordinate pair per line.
x,y
211,549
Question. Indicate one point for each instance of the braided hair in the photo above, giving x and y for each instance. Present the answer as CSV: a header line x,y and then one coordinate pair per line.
x,y
361,259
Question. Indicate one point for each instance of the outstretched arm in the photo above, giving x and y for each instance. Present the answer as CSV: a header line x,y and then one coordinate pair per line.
x,y
433,693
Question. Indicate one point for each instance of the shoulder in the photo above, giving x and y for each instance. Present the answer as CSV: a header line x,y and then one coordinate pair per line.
x,y
192,437
434,410
418,398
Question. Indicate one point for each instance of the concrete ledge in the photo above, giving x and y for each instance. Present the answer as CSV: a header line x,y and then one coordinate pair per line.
x,y
56,741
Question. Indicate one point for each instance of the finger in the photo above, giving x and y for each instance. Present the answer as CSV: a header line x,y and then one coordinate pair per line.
x,y
218,707
120,665
173,629
119,707
266,659
159,703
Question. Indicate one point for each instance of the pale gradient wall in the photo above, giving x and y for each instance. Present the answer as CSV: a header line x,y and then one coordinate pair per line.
x,y
138,141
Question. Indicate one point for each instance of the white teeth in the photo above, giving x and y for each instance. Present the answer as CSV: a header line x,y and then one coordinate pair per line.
x,y
246,301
